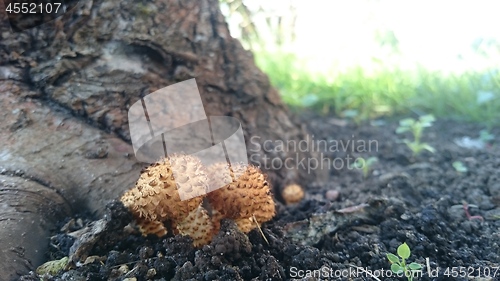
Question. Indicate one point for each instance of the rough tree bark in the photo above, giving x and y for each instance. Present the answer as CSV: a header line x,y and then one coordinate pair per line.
x,y
65,88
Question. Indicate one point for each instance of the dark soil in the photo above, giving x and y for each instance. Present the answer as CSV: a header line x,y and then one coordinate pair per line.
x,y
423,206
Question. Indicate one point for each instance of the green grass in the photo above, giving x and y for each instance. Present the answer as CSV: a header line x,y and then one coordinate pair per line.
x,y
388,91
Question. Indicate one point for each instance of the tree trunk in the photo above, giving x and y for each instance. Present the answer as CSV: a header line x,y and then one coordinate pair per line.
x,y
65,90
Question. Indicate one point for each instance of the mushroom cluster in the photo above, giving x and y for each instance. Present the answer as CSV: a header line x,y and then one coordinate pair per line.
x,y
156,205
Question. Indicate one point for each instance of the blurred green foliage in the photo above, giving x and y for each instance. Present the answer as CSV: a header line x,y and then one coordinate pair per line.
x,y
364,92
355,93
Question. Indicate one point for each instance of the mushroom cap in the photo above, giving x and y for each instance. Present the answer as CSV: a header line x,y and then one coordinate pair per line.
x,y
198,226
292,193
244,197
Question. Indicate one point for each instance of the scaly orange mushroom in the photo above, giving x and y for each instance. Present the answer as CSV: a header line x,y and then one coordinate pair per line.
x,y
244,196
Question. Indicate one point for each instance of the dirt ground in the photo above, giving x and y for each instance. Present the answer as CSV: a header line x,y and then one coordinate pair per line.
x,y
419,201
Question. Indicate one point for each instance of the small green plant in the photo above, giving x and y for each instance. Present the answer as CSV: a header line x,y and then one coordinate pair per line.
x,y
459,167
416,127
364,164
485,136
399,264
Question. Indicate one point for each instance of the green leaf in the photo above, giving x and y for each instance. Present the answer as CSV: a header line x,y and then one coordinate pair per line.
x,y
408,122
429,118
459,167
52,267
415,266
428,147
415,147
359,163
396,268
400,130
407,142
404,251
393,258
485,136
426,121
